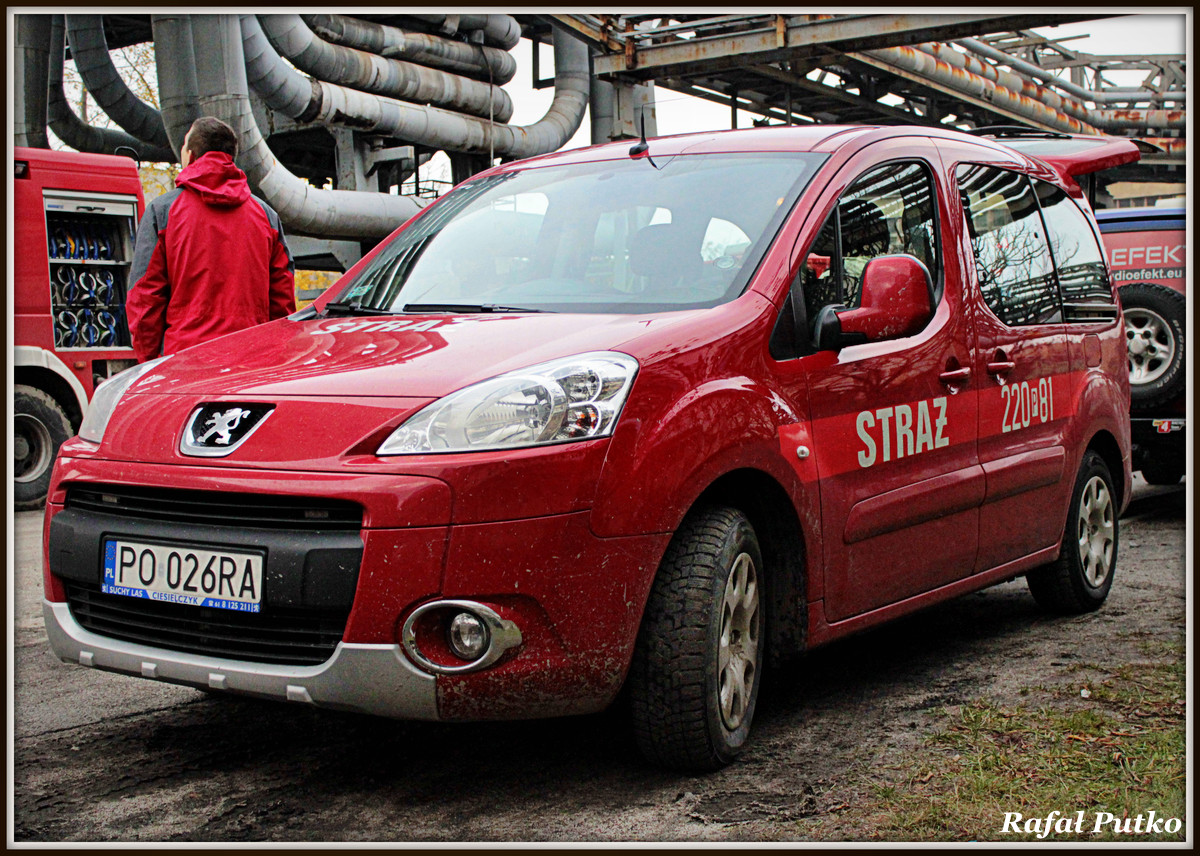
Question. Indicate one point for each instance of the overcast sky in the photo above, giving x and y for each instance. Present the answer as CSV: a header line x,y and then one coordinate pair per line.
x,y
678,113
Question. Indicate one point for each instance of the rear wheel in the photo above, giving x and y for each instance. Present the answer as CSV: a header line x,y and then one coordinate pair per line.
x,y
695,674
1080,579
1154,334
40,426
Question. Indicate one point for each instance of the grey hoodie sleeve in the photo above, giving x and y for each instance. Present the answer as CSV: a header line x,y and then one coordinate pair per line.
x,y
153,222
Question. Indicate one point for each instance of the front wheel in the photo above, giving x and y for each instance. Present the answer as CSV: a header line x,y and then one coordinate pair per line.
x,y
1080,578
696,669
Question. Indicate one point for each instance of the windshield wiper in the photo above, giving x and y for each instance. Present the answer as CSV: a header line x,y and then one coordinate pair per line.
x,y
465,307
354,308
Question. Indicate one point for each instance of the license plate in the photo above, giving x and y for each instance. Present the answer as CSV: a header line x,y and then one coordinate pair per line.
x,y
177,573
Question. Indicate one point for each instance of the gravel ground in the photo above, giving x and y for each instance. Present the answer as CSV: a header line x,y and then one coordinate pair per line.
x,y
99,757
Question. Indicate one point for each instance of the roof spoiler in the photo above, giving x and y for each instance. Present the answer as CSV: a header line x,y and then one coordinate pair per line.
x,y
1109,152
1072,154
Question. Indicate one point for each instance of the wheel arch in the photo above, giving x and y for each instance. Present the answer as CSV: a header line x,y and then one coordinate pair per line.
x,y
1106,446
43,370
771,512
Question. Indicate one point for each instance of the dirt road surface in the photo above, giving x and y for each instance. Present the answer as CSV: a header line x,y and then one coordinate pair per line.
x,y
101,757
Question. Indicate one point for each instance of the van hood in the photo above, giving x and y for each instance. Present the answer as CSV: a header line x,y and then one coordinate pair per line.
x,y
418,356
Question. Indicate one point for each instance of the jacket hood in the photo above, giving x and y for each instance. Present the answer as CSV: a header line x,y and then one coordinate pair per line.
x,y
217,179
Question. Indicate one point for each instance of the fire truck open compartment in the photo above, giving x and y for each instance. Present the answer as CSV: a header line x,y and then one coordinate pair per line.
x,y
90,248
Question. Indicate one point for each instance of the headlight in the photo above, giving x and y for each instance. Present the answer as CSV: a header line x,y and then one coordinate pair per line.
x,y
576,398
105,399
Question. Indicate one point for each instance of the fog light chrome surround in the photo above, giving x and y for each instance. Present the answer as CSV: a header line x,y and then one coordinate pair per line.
x,y
503,634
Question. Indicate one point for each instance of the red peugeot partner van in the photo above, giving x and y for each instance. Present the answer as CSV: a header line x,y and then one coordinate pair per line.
x,y
615,416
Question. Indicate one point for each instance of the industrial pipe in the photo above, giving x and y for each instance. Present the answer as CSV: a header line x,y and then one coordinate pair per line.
x,y
290,36
307,100
224,93
500,31
74,131
176,69
89,49
1046,76
31,51
476,61
1007,82
956,77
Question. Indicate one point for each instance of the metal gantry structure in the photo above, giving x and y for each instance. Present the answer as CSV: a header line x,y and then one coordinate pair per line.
x,y
338,113
960,70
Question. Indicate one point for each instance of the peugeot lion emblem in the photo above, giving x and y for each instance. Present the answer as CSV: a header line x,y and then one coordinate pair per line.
x,y
215,430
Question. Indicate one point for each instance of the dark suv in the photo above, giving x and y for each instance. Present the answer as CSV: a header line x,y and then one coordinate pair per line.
x,y
1147,253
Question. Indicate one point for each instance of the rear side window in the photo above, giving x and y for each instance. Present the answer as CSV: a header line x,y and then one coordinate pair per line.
x,y
1082,277
1012,256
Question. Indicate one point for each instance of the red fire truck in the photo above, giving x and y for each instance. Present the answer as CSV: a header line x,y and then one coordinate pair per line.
x,y
74,221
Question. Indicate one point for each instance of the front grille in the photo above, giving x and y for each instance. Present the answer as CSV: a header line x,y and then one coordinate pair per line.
x,y
216,508
281,635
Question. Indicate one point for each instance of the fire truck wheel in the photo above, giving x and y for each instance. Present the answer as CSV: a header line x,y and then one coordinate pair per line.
x,y
1079,579
1154,333
40,426
696,669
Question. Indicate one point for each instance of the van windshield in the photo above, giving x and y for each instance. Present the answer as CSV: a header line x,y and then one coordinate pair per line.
x,y
617,236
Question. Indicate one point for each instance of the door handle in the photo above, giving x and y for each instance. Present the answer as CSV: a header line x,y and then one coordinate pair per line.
x,y
1000,368
955,377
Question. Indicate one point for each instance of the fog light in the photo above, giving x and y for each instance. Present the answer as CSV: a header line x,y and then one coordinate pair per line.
x,y
452,637
468,636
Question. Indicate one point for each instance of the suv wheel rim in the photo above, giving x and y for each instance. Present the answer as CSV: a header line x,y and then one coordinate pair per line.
x,y
1151,345
737,665
1096,530
32,448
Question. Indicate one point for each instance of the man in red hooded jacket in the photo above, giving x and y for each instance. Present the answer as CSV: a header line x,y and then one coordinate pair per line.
x,y
210,258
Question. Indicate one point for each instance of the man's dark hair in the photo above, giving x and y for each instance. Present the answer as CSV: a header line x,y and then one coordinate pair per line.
x,y
210,134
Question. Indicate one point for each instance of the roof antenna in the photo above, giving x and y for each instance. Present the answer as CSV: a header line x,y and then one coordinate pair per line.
x,y
643,147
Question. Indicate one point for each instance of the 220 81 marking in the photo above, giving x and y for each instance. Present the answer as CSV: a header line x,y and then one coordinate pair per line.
x,y
1026,402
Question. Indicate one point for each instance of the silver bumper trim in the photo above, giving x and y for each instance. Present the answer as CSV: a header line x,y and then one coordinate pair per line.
x,y
375,679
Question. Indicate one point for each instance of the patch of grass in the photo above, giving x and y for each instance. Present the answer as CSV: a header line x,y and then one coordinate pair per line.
x,y
1113,742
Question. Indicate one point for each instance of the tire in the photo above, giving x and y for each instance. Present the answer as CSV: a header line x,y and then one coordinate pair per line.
x,y
1154,333
1080,578
40,426
694,680
1163,472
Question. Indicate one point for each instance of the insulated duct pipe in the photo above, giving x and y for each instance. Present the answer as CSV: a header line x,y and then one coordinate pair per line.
x,y
1046,76
1007,82
290,36
306,100
927,65
1174,148
74,131
30,64
500,31
224,93
604,110
89,49
477,61
176,67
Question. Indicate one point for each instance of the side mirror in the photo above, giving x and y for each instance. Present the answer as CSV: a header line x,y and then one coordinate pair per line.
x,y
897,301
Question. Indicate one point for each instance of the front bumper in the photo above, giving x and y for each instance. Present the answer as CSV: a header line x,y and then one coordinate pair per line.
x,y
375,679
577,598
